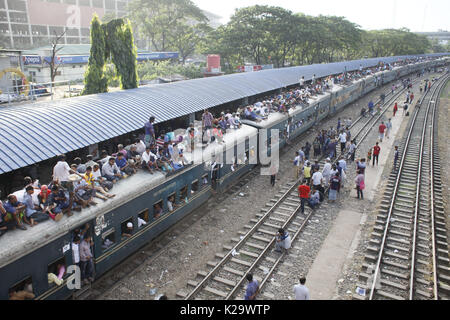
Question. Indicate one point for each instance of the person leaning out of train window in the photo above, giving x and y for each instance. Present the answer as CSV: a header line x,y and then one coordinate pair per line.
x,y
157,211
15,211
128,230
171,205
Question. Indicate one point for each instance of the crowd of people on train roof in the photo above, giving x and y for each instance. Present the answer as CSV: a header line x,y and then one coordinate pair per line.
x,y
75,186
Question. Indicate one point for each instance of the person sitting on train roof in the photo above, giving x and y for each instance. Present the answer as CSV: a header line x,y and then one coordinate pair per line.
x,y
163,161
122,151
32,212
15,211
90,162
140,146
84,193
92,182
134,158
104,157
149,160
81,167
124,166
97,176
111,171
5,224
58,204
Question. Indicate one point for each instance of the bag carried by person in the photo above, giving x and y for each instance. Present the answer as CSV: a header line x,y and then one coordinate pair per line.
x,y
362,185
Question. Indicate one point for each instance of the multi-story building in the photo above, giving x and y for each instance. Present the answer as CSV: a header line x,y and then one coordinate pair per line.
x,y
33,23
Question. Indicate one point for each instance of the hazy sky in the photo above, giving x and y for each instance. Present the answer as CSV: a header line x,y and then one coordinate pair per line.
x,y
424,15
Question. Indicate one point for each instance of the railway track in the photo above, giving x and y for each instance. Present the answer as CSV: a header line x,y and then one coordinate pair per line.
x,y
407,258
133,263
252,252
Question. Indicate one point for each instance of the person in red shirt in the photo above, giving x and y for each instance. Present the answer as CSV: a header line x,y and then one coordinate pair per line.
x,y
381,129
395,108
303,193
376,152
411,97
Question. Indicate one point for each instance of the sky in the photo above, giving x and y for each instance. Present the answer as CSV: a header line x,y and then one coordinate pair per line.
x,y
416,15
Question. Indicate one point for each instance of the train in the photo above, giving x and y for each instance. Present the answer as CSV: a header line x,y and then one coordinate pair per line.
x,y
26,257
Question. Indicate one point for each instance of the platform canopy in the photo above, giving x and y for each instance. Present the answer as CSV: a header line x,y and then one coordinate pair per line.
x,y
34,132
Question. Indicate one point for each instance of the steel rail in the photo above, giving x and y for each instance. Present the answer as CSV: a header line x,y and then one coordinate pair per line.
x,y
399,172
263,218
241,242
432,204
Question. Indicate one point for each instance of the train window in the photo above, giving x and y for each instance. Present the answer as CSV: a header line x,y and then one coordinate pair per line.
x,y
157,209
194,186
171,202
126,228
22,290
183,195
205,179
57,271
143,218
108,239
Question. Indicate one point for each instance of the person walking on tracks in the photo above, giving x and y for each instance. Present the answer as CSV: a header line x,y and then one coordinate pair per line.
x,y
307,172
376,153
252,288
297,165
300,290
303,193
395,157
335,184
283,241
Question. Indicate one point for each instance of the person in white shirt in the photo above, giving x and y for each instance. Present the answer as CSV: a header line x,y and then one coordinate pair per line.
x,y
343,140
297,164
149,160
76,250
140,146
302,81
326,172
141,222
300,290
317,179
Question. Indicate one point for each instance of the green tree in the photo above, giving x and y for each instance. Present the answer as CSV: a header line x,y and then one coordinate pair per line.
x,y
120,44
165,23
94,78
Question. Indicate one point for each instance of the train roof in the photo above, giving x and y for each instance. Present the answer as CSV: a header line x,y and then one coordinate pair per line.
x,y
16,244
35,132
277,117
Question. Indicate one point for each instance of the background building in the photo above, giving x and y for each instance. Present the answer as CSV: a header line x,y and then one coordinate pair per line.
x,y
28,24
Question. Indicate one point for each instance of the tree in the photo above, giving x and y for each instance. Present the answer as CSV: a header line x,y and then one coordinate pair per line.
x,y
120,45
95,79
167,24
54,65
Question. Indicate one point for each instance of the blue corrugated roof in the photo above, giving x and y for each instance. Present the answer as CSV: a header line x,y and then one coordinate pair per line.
x,y
38,131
